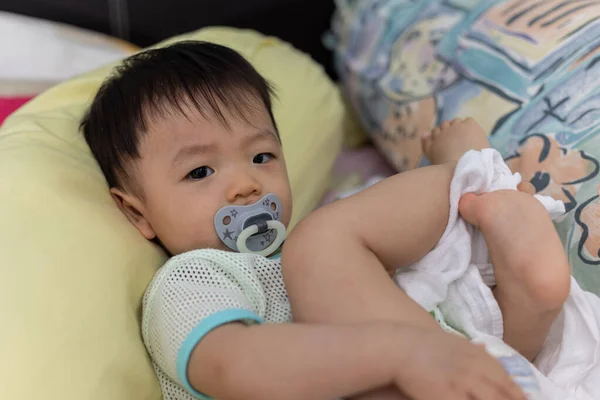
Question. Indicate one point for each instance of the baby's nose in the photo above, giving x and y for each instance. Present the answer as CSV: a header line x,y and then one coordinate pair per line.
x,y
244,190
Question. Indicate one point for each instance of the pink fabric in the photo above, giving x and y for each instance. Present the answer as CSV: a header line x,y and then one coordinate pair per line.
x,y
10,104
360,164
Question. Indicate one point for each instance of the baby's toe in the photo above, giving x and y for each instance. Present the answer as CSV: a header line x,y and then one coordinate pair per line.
x,y
426,141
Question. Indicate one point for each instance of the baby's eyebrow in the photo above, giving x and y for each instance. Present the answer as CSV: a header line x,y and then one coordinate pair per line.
x,y
192,150
258,136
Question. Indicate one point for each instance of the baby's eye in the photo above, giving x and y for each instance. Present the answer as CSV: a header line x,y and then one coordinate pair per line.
x,y
262,158
201,173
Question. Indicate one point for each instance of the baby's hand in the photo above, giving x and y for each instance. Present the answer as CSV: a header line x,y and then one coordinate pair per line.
x,y
439,365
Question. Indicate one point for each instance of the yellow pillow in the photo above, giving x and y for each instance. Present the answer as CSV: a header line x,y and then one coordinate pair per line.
x,y
72,269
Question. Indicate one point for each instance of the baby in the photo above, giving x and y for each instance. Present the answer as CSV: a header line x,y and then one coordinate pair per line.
x,y
187,141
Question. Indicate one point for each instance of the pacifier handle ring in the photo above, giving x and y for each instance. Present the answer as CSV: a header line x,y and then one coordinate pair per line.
x,y
275,225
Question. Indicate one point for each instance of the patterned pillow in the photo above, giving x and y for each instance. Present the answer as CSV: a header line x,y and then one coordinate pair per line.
x,y
528,72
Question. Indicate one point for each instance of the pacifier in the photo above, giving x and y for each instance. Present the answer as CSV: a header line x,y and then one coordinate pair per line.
x,y
255,228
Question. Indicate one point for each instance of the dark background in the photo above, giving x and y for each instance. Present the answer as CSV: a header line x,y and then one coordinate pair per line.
x,y
145,22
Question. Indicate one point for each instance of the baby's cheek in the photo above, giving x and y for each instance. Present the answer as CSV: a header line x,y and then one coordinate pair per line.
x,y
203,233
189,231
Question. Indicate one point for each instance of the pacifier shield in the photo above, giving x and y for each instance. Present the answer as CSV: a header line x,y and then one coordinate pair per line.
x,y
231,221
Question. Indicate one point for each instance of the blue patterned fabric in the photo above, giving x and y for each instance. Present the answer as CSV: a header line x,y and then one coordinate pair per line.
x,y
527,71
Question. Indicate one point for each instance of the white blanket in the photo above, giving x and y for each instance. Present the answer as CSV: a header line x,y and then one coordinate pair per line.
x,y
455,277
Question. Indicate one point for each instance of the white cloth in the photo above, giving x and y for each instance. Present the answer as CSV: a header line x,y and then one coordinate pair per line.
x,y
455,276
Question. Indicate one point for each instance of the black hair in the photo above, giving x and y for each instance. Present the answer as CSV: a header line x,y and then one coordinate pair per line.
x,y
164,80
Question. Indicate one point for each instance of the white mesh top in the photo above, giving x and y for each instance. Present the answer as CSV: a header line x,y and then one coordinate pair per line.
x,y
198,291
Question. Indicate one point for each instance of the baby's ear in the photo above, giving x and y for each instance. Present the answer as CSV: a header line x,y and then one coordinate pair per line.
x,y
133,208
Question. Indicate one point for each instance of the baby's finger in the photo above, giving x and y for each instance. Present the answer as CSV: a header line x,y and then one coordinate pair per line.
x,y
508,389
484,390
496,376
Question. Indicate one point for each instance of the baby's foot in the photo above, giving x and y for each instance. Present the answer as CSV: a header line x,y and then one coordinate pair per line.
x,y
452,139
530,264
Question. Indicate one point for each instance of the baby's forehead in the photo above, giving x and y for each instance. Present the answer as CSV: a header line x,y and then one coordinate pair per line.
x,y
247,107
189,123
168,133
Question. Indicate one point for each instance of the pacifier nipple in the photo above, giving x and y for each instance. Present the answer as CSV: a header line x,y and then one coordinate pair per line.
x,y
255,228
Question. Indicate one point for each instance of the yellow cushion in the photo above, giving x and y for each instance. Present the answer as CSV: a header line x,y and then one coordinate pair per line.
x,y
72,269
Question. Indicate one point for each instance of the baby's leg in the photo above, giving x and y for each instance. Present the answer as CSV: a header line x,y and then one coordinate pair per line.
x,y
337,262
530,264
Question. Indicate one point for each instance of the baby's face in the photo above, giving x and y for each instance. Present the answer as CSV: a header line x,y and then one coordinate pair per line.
x,y
191,167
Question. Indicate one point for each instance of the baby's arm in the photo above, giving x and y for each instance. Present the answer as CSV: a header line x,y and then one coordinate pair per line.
x,y
203,327
293,361
325,362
